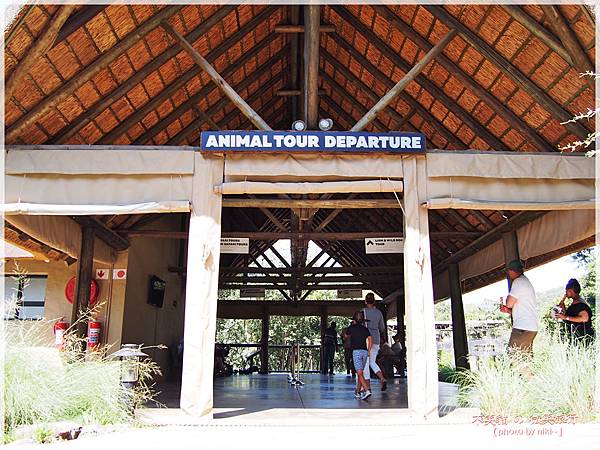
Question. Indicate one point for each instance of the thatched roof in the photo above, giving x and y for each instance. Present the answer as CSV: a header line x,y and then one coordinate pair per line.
x,y
115,76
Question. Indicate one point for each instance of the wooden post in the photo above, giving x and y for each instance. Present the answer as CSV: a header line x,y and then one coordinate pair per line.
x,y
201,287
312,18
400,85
400,310
511,249
323,328
235,98
421,344
42,44
264,342
81,297
294,52
459,329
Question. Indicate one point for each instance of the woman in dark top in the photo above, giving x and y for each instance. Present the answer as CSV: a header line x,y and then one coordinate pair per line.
x,y
578,316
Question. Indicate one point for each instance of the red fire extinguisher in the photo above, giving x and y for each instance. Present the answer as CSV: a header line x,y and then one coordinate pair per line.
x,y
60,328
94,329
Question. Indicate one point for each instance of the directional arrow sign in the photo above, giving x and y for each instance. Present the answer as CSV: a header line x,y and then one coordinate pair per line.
x,y
101,274
384,245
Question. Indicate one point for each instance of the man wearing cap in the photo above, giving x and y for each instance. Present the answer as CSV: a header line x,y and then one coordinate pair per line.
x,y
521,304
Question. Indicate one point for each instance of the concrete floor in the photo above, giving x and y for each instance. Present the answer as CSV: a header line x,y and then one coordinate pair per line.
x,y
259,398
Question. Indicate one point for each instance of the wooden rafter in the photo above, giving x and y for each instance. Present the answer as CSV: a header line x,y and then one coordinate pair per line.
x,y
490,237
483,93
312,19
86,74
381,77
105,101
216,77
39,48
538,30
77,20
524,82
562,29
437,93
194,126
411,75
152,104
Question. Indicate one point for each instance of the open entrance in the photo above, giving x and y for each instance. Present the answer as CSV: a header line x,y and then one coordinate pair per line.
x,y
293,272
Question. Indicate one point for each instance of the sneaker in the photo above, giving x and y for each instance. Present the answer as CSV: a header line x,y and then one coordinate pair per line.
x,y
365,395
357,395
383,386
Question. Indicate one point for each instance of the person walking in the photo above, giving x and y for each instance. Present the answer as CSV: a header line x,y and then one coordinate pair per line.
x,y
521,304
376,325
329,347
361,345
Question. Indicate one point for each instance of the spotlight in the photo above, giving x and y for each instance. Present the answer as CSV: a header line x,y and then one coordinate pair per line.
x,y
325,124
298,125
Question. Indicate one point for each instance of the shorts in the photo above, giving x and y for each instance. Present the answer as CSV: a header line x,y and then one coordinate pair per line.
x,y
522,339
360,358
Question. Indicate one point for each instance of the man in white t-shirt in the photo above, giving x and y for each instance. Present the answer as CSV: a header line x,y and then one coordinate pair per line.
x,y
522,305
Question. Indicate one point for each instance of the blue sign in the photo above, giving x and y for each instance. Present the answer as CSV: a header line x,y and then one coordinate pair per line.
x,y
311,141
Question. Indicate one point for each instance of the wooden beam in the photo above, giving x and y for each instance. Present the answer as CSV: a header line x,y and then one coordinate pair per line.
x,y
39,48
305,270
356,106
264,341
194,126
104,102
206,118
538,30
235,98
87,73
563,30
438,93
524,82
382,78
77,20
517,221
401,85
300,29
312,17
308,203
301,280
305,286
483,93
107,235
81,298
294,16
294,92
483,218
205,91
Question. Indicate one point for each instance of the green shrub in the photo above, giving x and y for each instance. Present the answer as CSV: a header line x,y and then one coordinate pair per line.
x,y
558,380
43,384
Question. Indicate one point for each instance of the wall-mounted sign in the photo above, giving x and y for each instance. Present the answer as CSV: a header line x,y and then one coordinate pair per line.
x,y
102,274
119,274
349,293
235,245
252,292
311,141
384,245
